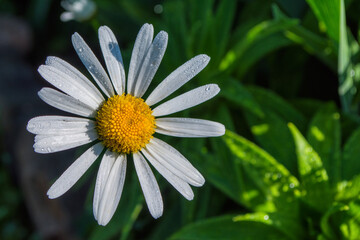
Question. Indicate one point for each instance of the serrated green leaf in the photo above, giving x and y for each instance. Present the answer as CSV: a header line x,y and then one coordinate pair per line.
x,y
273,180
270,100
324,135
226,228
284,223
274,136
351,156
316,191
328,15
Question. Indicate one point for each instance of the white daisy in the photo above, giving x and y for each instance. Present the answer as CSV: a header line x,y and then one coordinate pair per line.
x,y
120,124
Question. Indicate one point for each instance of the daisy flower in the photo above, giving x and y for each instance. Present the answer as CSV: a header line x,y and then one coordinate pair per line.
x,y
119,122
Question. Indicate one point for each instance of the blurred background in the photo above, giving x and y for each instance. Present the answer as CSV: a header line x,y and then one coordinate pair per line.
x,y
288,166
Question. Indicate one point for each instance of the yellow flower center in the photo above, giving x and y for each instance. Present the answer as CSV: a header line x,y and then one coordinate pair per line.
x,y
125,123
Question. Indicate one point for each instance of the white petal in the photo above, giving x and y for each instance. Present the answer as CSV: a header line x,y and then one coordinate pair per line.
x,y
57,143
170,158
75,171
76,78
66,84
178,78
141,46
179,184
103,174
187,100
112,190
151,63
59,125
112,55
39,137
149,186
189,127
92,64
65,102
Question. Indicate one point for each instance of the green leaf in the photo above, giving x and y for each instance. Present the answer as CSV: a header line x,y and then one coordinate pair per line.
x,y
270,100
314,44
174,22
221,27
235,92
225,227
313,177
349,190
286,224
351,156
324,135
273,180
342,221
328,15
200,15
347,88
258,41
274,136
327,229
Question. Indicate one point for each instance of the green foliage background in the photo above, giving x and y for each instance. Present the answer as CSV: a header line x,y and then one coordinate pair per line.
x,y
288,166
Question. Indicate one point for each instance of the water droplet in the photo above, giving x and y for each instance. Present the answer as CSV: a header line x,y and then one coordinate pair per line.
x,y
266,217
81,49
352,73
111,46
291,185
207,89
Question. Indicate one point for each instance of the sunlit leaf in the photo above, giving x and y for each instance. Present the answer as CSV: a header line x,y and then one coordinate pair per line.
x,y
313,177
324,135
274,136
342,221
272,179
349,190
